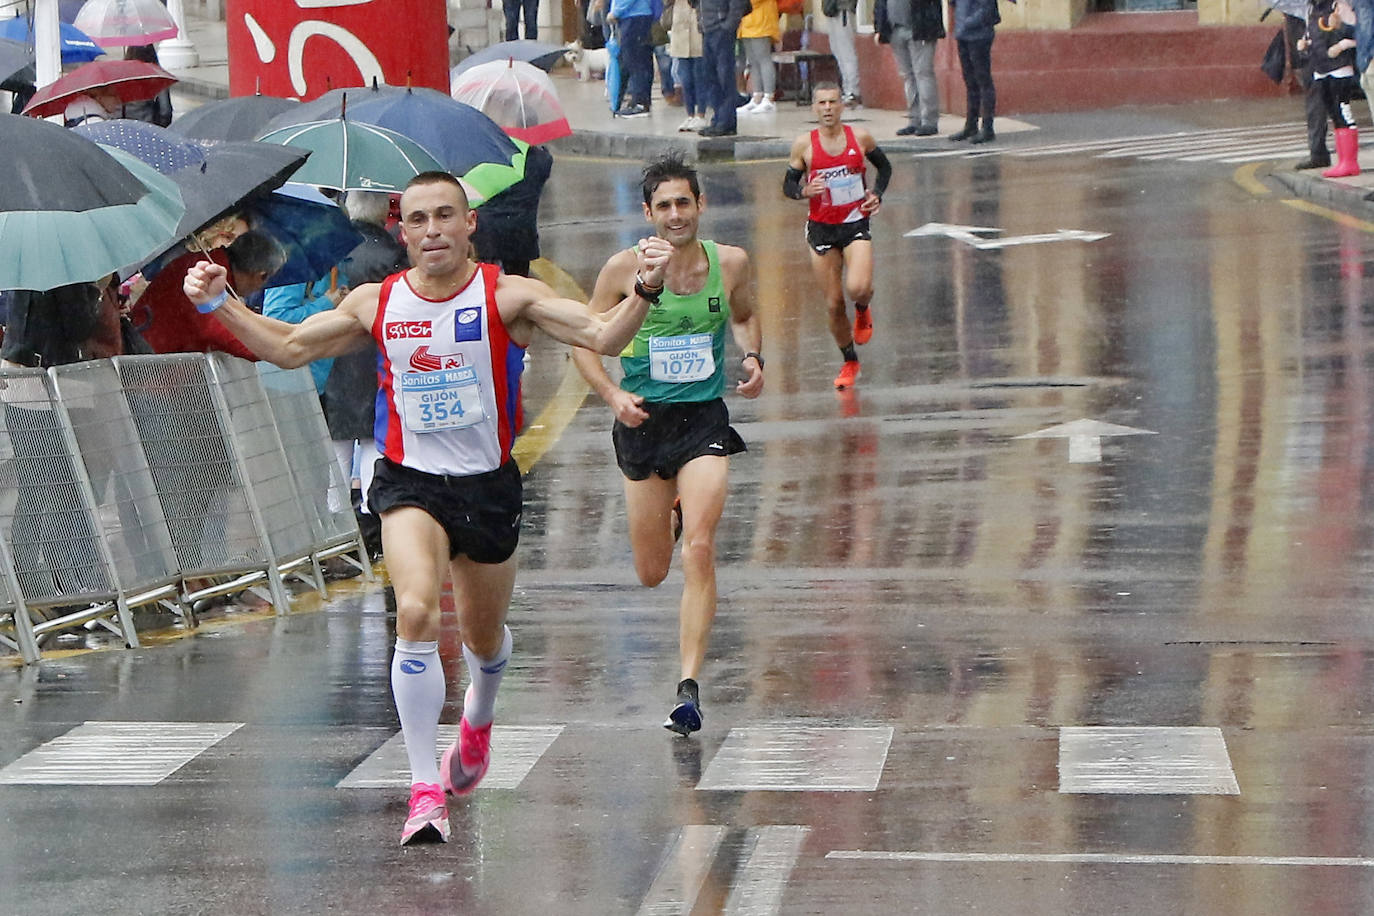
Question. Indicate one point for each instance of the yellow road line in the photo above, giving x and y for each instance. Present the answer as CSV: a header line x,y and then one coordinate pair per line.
x,y
1336,216
1246,176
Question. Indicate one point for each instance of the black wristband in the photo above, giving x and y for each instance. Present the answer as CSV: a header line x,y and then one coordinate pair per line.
x,y
754,353
645,293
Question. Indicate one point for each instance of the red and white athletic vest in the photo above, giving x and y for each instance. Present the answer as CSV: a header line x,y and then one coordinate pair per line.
x,y
448,377
844,180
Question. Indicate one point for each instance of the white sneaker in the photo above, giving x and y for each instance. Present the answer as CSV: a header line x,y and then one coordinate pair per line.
x,y
748,107
765,106
688,124
699,122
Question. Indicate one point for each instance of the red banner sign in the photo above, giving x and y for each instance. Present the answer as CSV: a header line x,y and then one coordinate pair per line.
x,y
303,48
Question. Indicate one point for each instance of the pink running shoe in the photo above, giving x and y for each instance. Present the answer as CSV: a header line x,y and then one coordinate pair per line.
x,y
428,818
465,762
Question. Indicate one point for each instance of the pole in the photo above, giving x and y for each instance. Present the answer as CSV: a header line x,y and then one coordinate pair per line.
x,y
178,53
47,50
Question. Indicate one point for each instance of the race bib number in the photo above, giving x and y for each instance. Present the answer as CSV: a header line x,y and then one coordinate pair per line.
x,y
845,189
688,358
444,399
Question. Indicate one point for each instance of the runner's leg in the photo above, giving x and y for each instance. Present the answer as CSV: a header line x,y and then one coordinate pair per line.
x,y
648,503
702,485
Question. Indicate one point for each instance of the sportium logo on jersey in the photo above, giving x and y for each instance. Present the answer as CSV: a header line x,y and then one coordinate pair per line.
x,y
424,361
467,325
400,330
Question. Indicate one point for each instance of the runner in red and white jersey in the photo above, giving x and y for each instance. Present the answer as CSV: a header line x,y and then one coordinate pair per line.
x,y
831,160
446,489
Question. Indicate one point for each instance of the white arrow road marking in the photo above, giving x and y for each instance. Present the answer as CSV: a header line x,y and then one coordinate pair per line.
x,y
973,235
1085,437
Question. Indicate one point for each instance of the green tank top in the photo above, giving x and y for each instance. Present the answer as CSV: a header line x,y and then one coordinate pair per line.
x,y
678,354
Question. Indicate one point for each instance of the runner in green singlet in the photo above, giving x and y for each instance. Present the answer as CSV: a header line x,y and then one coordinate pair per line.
x,y
672,431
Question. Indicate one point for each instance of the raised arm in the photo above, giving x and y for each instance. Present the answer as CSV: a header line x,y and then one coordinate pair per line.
x,y
329,333
572,322
609,292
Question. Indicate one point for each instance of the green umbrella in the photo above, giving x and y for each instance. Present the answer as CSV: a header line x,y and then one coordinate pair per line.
x,y
73,212
351,156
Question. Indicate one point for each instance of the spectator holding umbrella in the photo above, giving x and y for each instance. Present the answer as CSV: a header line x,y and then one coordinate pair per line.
x,y
158,109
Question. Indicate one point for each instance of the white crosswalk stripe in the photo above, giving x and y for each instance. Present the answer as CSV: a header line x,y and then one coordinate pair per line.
x,y
1228,146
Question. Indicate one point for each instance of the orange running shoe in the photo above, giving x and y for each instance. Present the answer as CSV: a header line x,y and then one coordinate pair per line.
x,y
849,374
863,325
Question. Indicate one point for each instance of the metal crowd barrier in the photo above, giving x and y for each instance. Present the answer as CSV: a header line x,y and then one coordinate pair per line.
x,y
159,479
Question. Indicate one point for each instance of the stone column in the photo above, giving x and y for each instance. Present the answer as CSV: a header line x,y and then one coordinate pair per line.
x,y
178,53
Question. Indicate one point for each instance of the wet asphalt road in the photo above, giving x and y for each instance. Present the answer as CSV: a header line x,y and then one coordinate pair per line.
x,y
918,609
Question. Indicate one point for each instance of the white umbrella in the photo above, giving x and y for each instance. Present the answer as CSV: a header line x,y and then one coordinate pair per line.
x,y
118,23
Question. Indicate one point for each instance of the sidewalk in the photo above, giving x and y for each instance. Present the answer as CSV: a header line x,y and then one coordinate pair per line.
x,y
597,133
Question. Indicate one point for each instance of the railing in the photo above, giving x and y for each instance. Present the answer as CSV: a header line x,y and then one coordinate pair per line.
x,y
159,481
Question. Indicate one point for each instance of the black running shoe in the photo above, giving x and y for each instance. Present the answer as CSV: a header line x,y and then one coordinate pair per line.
x,y
685,717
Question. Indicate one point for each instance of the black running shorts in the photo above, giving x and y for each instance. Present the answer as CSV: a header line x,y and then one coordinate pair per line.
x,y
479,512
673,435
822,237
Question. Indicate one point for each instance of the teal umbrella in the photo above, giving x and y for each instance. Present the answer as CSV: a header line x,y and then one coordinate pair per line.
x,y
73,212
351,156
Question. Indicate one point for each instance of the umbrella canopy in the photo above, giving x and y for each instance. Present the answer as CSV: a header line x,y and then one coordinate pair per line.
x,y
518,96
129,80
614,78
73,212
314,230
331,105
542,54
467,142
348,155
119,23
16,63
234,175
146,142
75,45
239,118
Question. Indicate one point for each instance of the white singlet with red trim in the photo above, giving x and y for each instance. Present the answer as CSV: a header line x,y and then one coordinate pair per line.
x,y
448,377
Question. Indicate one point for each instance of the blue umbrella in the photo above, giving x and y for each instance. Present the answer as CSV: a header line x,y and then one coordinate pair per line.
x,y
315,231
75,45
613,77
154,145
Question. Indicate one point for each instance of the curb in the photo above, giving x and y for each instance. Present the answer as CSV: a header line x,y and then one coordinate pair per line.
x,y
1349,198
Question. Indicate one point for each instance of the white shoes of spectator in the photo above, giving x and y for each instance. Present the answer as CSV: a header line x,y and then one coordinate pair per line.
x,y
763,105
693,123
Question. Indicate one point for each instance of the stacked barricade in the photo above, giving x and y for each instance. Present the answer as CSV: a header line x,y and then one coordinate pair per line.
x,y
159,480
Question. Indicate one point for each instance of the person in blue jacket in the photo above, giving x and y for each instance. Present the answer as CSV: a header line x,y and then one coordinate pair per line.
x,y
632,20
974,21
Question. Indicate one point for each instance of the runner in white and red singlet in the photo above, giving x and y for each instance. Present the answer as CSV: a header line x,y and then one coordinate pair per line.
x,y
831,160
452,336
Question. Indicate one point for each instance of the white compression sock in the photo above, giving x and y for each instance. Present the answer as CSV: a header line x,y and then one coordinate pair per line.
x,y
479,704
417,684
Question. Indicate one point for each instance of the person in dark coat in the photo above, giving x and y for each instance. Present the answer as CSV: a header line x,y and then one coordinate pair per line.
x,y
912,27
350,394
974,24
158,109
508,224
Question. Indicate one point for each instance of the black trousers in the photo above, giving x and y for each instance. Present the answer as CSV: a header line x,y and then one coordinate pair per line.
x,y
975,61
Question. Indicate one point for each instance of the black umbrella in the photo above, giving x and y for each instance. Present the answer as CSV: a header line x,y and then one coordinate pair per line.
x,y
242,118
16,65
70,211
233,175
542,54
